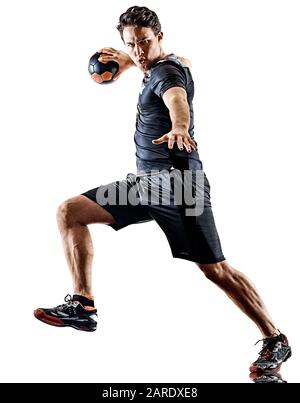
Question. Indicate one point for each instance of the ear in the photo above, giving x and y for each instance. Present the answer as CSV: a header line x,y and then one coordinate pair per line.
x,y
160,36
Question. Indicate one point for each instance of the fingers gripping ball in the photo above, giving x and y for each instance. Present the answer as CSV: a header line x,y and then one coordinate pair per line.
x,y
102,73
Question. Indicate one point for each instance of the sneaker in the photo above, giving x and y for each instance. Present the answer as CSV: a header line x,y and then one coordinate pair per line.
x,y
262,377
274,352
72,314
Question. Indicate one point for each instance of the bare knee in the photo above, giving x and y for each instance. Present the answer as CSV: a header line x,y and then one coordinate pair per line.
x,y
65,213
83,211
216,272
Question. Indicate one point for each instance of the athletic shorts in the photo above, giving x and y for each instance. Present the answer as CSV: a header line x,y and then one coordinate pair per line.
x,y
181,207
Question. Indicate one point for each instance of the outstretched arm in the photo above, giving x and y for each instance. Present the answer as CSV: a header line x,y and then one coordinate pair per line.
x,y
175,99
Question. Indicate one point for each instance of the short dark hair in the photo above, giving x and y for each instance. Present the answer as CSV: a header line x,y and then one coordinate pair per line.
x,y
139,17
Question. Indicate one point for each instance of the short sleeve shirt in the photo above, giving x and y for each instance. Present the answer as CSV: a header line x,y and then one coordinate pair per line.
x,y
153,118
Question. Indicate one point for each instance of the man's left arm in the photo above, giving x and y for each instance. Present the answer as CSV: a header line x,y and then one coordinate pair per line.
x,y
175,99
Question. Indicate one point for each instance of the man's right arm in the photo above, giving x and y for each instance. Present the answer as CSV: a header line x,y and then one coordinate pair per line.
x,y
122,58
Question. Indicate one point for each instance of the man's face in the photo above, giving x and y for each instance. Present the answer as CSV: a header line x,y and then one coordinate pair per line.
x,y
142,45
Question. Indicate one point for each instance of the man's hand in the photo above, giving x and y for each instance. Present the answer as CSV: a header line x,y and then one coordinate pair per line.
x,y
179,136
175,98
118,56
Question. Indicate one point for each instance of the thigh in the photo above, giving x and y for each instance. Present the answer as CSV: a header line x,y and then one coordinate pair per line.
x,y
192,237
121,200
84,211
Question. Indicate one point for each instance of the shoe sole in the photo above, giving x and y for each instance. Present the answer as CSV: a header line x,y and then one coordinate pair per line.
x,y
258,369
52,321
262,377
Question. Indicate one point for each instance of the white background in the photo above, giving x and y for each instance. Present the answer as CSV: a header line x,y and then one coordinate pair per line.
x,y
62,134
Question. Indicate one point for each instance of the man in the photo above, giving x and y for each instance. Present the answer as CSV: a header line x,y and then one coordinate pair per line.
x,y
165,144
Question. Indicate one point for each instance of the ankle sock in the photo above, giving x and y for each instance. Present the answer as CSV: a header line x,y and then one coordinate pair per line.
x,y
83,300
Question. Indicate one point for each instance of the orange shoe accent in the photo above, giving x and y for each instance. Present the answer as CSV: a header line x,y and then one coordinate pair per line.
x,y
50,320
89,308
258,371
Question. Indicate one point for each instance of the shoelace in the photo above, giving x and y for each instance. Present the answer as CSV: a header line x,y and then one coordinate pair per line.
x,y
268,345
68,301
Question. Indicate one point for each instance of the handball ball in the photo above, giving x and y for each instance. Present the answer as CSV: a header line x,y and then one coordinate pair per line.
x,y
103,72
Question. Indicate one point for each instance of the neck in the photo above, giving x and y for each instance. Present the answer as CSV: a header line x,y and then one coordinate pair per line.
x,y
160,57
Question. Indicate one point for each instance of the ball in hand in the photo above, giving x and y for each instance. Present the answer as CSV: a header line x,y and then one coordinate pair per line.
x,y
102,73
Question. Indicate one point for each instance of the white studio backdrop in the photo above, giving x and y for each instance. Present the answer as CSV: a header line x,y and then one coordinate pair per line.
x,y
61,134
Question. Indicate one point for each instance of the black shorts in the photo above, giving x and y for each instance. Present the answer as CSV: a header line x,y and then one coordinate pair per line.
x,y
189,226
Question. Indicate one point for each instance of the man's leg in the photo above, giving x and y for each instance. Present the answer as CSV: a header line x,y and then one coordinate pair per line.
x,y
73,216
276,348
239,288
79,311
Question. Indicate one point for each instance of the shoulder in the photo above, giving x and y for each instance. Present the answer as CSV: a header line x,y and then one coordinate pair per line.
x,y
166,69
185,61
